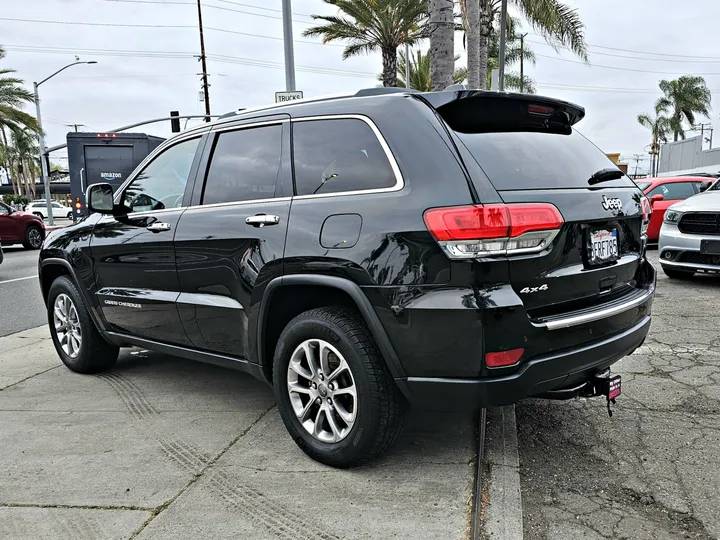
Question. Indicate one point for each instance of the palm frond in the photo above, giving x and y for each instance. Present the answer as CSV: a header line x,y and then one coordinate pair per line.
x,y
560,25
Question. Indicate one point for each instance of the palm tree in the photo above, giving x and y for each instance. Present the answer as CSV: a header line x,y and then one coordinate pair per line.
x,y
369,25
559,24
420,78
660,127
686,96
441,28
23,160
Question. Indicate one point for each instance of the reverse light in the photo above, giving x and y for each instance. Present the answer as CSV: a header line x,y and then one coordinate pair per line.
x,y
503,358
466,232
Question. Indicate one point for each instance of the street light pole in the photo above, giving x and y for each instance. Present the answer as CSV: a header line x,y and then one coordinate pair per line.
x,y
289,50
43,162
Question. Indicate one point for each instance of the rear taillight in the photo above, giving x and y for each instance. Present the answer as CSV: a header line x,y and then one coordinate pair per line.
x,y
646,213
493,230
503,358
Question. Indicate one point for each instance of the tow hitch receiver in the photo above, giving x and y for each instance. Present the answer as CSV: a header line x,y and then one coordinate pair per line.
x,y
608,385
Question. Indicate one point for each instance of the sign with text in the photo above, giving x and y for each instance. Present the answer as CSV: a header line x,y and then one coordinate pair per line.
x,y
282,97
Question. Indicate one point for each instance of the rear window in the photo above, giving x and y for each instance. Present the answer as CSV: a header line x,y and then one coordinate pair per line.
x,y
532,160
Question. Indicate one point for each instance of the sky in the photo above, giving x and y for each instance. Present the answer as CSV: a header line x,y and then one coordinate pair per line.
x,y
146,67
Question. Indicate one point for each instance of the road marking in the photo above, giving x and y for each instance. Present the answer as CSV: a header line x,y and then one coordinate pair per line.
x,y
503,515
18,279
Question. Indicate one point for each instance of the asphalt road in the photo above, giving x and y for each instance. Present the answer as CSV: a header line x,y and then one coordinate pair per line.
x,y
20,297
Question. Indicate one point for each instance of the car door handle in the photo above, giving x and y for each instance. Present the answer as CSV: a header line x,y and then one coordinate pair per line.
x,y
260,220
158,226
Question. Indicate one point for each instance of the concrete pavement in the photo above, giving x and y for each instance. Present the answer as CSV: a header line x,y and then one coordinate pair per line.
x,y
165,448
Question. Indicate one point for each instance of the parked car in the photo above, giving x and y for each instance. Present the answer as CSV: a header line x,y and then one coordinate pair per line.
x,y
18,227
664,192
1,253
690,236
39,208
451,250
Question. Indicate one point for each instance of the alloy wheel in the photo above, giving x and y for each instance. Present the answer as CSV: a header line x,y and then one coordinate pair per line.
x,y
67,325
322,390
34,237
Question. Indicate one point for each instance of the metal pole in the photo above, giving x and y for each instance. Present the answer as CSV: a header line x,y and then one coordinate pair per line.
x,y
501,55
206,91
43,164
407,65
288,42
522,70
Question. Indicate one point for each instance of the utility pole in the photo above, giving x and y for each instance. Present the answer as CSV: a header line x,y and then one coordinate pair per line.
x,y
203,60
75,126
522,59
289,50
501,54
407,65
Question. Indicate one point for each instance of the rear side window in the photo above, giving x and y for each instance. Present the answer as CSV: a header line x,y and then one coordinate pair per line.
x,y
674,190
333,156
244,166
534,160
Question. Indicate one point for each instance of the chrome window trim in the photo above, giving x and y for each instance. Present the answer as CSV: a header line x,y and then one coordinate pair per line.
x,y
399,180
238,127
145,162
238,203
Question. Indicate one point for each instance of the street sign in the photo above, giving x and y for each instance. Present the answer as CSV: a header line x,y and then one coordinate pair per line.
x,y
282,97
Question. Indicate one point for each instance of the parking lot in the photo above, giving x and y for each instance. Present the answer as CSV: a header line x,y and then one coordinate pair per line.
x,y
165,448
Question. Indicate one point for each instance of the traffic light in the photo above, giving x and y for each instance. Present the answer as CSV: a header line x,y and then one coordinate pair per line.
x,y
175,122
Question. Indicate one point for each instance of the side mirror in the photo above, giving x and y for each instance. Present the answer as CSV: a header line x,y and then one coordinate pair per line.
x,y
705,185
656,198
99,198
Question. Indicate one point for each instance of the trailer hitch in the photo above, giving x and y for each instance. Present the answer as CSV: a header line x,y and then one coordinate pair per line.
x,y
604,384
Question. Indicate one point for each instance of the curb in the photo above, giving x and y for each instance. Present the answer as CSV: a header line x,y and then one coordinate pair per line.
x,y
503,514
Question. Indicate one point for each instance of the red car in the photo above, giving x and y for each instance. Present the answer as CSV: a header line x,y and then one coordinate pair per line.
x,y
20,228
663,192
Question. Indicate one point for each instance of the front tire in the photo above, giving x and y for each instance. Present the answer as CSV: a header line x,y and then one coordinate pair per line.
x,y
33,237
69,216
335,394
678,274
77,341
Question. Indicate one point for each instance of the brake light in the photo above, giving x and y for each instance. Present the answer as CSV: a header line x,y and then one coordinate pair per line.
x,y
494,229
503,358
646,213
540,109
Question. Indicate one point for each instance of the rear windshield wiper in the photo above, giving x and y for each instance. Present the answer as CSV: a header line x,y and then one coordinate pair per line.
x,y
604,175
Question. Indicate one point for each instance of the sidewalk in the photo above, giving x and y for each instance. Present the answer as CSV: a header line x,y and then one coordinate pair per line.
x,y
164,448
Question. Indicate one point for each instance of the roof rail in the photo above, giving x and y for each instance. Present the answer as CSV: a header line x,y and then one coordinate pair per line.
x,y
385,90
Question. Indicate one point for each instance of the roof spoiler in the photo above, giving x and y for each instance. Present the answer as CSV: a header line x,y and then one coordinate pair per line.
x,y
480,111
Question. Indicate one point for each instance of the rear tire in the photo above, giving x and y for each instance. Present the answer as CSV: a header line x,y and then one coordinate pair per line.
x,y
33,237
38,214
77,341
678,274
69,216
377,410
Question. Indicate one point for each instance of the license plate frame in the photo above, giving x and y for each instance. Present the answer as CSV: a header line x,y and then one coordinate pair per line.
x,y
710,247
601,246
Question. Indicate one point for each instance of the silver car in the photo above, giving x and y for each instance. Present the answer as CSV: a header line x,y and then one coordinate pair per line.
x,y
690,236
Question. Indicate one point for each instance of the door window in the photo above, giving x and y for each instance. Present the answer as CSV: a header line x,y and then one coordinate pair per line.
x,y
674,191
333,156
4,209
244,166
162,183
56,205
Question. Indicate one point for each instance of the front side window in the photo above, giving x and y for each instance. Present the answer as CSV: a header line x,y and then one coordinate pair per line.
x,y
5,209
244,166
162,182
674,191
343,154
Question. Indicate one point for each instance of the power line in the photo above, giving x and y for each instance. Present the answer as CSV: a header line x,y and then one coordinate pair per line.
x,y
618,68
98,24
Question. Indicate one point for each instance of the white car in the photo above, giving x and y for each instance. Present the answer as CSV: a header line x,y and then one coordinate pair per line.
x,y
39,208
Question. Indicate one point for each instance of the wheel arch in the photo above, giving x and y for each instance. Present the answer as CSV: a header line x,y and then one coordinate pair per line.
x,y
308,292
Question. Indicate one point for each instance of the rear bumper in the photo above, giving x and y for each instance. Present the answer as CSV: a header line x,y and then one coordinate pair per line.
x,y
539,375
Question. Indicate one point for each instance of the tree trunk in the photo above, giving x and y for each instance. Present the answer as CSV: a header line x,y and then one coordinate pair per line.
x,y
486,20
442,43
389,59
472,31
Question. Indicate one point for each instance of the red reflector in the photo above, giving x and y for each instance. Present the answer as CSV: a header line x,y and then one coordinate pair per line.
x,y
491,221
503,358
540,109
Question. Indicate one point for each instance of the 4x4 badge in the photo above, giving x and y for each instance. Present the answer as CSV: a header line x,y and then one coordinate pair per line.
x,y
611,203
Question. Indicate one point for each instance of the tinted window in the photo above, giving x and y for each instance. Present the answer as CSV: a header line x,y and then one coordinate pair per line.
x,y
676,190
162,182
244,166
332,156
4,209
531,160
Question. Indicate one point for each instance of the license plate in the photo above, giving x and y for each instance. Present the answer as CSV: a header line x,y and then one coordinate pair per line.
x,y
710,247
603,246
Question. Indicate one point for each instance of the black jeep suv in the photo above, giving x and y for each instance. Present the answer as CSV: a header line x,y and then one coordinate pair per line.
x,y
358,253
